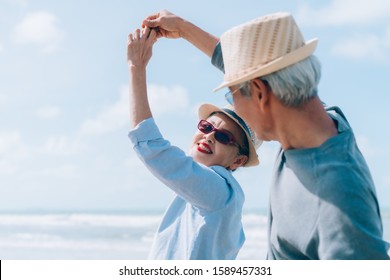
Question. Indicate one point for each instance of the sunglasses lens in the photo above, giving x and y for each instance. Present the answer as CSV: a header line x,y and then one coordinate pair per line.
x,y
229,97
223,137
205,127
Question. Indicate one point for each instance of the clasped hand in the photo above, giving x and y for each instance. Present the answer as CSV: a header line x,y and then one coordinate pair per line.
x,y
139,46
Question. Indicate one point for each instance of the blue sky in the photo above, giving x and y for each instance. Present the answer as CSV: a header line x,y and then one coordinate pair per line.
x,y
64,106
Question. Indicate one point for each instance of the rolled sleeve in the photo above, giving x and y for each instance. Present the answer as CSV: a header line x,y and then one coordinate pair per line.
x,y
145,131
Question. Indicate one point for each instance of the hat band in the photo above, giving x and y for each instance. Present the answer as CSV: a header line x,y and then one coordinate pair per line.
x,y
241,122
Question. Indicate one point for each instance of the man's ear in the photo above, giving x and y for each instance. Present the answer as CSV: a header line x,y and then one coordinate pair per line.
x,y
261,92
238,162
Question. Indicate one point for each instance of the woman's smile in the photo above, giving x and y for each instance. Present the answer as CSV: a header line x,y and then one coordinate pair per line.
x,y
204,148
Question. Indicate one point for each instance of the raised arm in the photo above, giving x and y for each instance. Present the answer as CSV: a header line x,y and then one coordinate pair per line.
x,y
139,52
171,26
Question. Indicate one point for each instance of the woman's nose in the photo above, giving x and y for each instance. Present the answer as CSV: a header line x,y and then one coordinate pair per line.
x,y
209,137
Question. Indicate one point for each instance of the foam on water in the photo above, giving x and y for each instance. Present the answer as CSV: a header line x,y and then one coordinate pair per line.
x,y
107,236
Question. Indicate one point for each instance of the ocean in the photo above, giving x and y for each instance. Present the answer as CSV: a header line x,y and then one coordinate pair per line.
x,y
106,235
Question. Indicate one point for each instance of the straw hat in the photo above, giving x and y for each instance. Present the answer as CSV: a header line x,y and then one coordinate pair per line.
x,y
262,46
205,110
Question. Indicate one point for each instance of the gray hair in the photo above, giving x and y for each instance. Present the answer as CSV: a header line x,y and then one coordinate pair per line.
x,y
293,85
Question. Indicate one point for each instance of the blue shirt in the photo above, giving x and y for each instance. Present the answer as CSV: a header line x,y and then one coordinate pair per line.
x,y
323,203
204,219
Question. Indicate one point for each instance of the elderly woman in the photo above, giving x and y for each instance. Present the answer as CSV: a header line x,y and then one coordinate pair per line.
x,y
204,219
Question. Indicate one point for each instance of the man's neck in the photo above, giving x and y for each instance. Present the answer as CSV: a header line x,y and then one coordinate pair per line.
x,y
306,127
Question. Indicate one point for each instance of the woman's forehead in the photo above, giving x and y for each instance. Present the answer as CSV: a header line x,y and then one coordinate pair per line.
x,y
221,120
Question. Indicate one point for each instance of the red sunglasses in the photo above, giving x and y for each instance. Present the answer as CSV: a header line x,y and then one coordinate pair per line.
x,y
221,135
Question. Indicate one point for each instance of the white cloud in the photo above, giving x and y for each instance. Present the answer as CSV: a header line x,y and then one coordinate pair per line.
x,y
48,112
1,48
60,146
58,171
16,154
163,100
367,148
11,144
343,12
20,3
111,118
41,29
365,46
359,15
12,151
3,100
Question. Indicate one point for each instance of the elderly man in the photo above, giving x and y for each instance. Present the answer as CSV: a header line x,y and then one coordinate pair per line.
x,y
323,203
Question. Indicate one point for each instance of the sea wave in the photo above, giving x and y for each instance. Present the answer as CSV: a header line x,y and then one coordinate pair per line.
x,y
108,236
69,220
98,236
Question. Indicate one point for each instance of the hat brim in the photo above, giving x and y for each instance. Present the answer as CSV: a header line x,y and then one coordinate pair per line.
x,y
273,66
205,110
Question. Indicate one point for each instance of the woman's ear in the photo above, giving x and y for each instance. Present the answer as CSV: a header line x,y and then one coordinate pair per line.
x,y
238,162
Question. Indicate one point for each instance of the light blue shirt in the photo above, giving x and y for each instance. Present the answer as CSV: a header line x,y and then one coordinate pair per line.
x,y
204,219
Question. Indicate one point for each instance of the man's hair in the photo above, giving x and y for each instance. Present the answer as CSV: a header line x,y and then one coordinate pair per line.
x,y
293,85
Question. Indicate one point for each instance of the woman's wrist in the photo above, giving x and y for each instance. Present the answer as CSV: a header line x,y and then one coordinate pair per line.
x,y
135,68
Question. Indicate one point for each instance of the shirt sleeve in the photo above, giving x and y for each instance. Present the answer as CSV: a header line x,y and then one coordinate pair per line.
x,y
350,233
350,219
349,222
217,58
199,185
